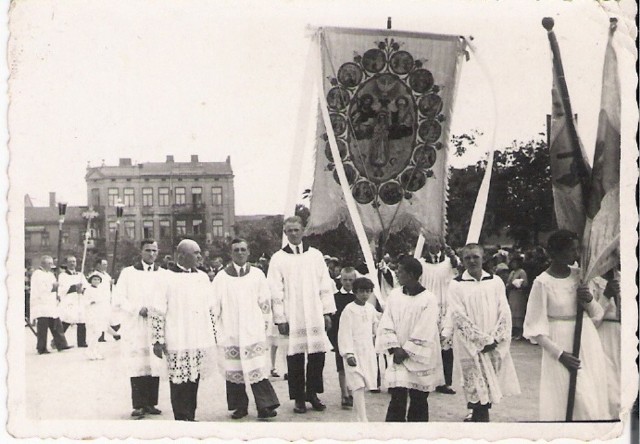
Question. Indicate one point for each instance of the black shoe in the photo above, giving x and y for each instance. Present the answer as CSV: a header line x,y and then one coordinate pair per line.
x,y
316,403
117,337
137,413
345,402
267,413
239,414
274,373
101,338
375,390
43,352
300,407
152,410
83,345
65,348
446,389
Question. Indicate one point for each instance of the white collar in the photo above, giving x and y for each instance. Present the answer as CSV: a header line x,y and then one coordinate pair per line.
x,y
467,277
146,266
293,247
343,291
182,268
239,268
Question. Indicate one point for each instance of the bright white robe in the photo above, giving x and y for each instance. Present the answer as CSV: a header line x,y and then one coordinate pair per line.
x,y
182,319
436,278
301,294
358,326
242,310
72,305
609,332
551,315
44,302
411,322
135,289
480,316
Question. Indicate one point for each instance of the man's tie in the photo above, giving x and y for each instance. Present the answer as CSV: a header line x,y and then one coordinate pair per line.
x,y
297,249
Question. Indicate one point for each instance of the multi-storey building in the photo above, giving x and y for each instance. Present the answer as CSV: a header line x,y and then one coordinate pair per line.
x,y
41,230
167,201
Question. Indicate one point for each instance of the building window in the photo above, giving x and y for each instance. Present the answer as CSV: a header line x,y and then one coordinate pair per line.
x,y
218,228
129,197
114,195
181,227
27,240
181,196
95,197
130,229
44,239
196,195
147,197
163,197
216,192
147,229
65,238
197,227
165,229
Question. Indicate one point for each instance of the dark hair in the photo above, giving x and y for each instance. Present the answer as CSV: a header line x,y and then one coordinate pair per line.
x,y
144,242
560,240
99,261
411,265
238,240
362,283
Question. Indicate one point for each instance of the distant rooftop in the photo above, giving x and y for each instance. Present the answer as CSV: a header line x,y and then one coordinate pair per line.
x,y
194,167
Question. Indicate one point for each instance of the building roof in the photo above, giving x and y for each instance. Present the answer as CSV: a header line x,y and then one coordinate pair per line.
x,y
46,215
147,169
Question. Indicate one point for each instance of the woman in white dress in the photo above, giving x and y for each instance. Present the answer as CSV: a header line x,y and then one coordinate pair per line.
x,y
550,321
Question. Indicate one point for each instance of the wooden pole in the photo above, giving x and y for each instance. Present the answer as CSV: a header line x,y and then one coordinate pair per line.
x,y
583,175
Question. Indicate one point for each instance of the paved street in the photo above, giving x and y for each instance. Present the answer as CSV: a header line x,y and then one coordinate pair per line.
x,y
68,386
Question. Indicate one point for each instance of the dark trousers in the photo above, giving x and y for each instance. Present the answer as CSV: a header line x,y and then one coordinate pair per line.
x,y
184,400
81,333
480,411
300,388
418,405
144,391
53,324
447,365
263,394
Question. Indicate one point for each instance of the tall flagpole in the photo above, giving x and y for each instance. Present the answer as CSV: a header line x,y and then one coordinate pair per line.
x,y
583,176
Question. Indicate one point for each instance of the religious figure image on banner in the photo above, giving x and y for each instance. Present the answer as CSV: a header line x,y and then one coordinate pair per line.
x,y
390,99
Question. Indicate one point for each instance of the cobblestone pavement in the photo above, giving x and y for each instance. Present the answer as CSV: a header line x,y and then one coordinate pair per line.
x,y
68,386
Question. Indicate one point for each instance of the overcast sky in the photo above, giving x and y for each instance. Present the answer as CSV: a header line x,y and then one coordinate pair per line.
x,y
94,80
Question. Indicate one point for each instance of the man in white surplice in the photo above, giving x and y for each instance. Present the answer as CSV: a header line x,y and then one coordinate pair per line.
x,y
302,302
183,329
481,323
242,309
137,286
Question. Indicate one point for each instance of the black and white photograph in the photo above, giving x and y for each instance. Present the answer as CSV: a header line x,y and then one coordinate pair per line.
x,y
282,219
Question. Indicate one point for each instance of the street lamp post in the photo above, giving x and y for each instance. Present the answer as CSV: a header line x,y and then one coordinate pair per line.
x,y
90,214
119,211
62,210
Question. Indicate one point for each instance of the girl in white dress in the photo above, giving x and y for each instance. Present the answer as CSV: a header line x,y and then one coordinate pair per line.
x,y
550,321
358,324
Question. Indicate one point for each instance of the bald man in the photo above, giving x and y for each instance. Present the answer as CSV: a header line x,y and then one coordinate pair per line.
x,y
183,329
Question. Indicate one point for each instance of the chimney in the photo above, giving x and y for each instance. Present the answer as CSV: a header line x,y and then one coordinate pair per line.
x,y
52,199
169,158
194,158
125,161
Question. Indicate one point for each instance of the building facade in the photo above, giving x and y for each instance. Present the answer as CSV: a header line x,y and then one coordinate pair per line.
x,y
167,201
41,231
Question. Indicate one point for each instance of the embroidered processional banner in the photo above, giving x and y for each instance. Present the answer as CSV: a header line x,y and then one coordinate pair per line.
x,y
390,99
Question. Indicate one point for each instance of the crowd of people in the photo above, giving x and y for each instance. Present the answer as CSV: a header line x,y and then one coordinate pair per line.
x,y
399,328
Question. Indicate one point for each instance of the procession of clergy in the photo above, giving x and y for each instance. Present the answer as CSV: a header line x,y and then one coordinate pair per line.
x,y
178,324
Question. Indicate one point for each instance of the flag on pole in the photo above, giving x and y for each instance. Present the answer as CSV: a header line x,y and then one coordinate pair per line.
x,y
601,238
569,167
390,98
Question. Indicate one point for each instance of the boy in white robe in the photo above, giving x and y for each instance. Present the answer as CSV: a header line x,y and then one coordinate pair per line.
x,y
71,285
359,322
302,304
242,310
409,331
481,324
